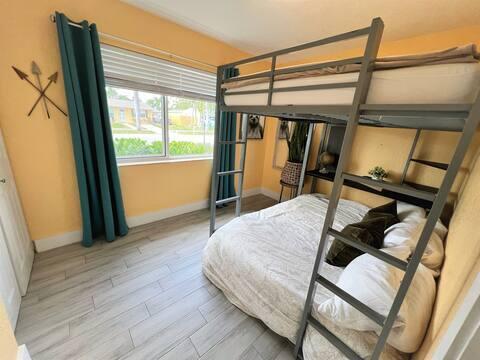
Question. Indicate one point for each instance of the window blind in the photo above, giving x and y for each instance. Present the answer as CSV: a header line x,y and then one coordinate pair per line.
x,y
123,66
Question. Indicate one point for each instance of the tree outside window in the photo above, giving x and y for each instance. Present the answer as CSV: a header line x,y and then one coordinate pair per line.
x,y
146,124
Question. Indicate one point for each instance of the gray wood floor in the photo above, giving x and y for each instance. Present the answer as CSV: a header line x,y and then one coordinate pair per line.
x,y
140,297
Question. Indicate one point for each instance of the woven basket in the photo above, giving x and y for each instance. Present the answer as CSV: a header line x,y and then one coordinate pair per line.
x,y
291,173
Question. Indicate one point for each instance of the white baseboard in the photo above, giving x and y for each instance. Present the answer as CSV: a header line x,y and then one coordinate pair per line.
x,y
59,240
251,192
22,353
166,213
270,193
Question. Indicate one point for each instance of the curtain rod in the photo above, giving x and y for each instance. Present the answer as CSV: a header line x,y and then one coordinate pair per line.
x,y
163,52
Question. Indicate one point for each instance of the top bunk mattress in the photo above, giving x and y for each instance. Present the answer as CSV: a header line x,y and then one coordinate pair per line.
x,y
456,83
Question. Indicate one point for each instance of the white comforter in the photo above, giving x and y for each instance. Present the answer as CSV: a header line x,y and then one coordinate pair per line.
x,y
263,262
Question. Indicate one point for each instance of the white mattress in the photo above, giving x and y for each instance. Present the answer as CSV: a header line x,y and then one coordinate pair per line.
x,y
432,84
263,262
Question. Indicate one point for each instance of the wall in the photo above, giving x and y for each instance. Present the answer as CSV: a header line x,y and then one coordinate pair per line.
x,y
462,261
388,147
40,149
8,344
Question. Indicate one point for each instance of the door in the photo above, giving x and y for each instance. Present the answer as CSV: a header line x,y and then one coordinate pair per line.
x,y
17,240
9,291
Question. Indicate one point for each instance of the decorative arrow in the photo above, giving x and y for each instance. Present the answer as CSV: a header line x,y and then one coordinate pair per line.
x,y
37,72
52,79
24,76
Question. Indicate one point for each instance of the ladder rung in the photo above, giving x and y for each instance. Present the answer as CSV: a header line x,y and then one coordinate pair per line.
x,y
227,200
400,189
434,164
339,344
364,309
230,172
232,142
420,186
392,260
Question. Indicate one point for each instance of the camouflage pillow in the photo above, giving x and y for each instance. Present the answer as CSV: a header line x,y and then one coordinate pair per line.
x,y
370,231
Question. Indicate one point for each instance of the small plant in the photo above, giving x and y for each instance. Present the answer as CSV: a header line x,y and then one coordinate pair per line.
x,y
378,173
297,142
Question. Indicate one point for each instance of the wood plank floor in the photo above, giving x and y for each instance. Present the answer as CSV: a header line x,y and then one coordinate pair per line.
x,y
141,297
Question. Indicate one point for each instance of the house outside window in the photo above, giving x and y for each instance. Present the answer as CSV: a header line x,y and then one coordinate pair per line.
x,y
121,113
151,121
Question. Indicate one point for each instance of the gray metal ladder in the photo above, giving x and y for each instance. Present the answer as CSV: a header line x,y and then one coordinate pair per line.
x,y
438,198
410,159
217,174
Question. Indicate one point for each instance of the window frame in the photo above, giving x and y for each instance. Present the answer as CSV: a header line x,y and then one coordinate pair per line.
x,y
166,157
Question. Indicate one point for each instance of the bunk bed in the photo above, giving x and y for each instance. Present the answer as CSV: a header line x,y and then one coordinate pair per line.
x,y
342,92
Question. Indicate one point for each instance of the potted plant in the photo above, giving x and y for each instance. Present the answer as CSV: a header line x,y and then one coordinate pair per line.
x,y
296,149
378,173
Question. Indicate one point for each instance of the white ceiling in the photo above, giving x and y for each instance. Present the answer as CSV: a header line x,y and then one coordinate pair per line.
x,y
258,26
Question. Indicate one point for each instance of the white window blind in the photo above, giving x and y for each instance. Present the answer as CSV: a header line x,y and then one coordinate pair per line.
x,y
159,75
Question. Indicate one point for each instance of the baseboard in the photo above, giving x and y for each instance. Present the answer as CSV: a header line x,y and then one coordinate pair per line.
x,y
166,213
22,353
59,240
270,193
251,192
179,210
55,241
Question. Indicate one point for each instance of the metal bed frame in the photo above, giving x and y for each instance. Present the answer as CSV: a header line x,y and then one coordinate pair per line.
x,y
463,117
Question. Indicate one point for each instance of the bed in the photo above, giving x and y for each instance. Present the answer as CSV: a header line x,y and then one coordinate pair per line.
x,y
449,77
455,83
262,262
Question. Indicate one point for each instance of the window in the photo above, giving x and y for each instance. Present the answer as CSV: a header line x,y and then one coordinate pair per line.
x,y
158,110
190,126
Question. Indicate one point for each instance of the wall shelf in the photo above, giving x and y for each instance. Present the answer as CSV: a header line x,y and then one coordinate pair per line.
x,y
378,191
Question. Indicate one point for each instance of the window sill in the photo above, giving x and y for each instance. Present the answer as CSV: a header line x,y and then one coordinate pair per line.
x,y
146,161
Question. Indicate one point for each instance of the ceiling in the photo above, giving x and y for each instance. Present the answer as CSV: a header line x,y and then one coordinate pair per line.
x,y
258,26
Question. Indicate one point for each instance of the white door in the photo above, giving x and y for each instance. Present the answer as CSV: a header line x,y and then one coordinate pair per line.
x,y
9,291
17,239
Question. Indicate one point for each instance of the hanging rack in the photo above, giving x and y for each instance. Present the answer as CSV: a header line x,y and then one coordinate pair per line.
x,y
126,41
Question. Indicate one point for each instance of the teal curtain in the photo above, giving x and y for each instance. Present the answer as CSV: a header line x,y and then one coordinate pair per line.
x,y
97,173
228,129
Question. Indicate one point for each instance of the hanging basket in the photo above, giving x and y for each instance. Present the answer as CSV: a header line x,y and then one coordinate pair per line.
x,y
291,173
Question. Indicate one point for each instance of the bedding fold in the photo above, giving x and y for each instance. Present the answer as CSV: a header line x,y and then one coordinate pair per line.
x,y
262,262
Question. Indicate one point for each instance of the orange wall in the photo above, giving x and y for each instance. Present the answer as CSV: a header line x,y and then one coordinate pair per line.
x,y
8,344
40,149
462,261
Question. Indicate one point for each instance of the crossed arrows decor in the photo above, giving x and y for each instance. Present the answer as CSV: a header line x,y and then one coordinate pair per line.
x,y
41,90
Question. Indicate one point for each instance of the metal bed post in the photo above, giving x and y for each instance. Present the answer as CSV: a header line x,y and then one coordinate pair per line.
x,y
216,148
243,154
410,155
371,49
319,152
311,126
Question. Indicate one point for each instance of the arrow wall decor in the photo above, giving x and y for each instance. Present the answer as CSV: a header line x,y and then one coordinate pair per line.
x,y
37,72
42,91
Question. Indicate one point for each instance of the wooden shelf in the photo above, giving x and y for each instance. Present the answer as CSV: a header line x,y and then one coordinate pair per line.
x,y
424,203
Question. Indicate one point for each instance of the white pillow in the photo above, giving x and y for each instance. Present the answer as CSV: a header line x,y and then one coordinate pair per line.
x,y
407,233
375,283
405,209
